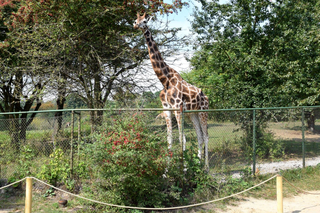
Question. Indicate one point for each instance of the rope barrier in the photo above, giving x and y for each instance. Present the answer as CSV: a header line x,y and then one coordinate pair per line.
x,y
12,183
300,190
145,208
167,208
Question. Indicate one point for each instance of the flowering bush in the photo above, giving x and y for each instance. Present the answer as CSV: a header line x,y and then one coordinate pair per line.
x,y
131,165
129,162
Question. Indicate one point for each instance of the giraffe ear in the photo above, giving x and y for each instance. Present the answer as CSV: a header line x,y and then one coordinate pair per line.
x,y
138,15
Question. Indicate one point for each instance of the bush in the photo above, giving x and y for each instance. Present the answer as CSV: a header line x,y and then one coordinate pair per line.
x,y
266,145
129,162
56,169
133,165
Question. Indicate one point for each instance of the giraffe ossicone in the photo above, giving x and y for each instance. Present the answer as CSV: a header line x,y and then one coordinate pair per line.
x,y
176,92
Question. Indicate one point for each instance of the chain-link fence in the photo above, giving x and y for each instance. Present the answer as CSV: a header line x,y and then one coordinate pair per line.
x,y
265,140
238,139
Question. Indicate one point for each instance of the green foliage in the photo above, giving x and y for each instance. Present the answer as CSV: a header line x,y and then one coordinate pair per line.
x,y
257,53
266,145
56,169
24,163
133,166
74,101
129,162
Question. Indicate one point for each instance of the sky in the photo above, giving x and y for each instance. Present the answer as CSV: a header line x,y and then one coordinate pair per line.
x,y
182,19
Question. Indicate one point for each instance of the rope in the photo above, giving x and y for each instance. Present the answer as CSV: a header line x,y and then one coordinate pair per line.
x,y
168,208
144,208
300,190
12,184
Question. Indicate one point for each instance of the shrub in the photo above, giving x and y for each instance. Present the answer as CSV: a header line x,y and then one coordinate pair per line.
x,y
56,169
133,166
266,145
129,162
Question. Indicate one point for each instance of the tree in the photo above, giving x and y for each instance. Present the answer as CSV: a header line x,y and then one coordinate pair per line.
x,y
20,86
88,47
257,54
247,46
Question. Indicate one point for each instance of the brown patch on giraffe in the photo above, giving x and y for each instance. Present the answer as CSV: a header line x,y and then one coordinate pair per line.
x,y
186,98
162,96
163,80
155,48
193,93
172,101
185,89
173,81
174,94
165,71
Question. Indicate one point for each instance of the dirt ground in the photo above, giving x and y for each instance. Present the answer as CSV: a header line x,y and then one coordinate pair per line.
x,y
302,203
295,135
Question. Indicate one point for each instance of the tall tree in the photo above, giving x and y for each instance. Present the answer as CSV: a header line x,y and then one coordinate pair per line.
x,y
257,54
264,53
90,46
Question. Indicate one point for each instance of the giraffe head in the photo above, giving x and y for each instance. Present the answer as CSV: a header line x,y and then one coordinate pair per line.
x,y
141,22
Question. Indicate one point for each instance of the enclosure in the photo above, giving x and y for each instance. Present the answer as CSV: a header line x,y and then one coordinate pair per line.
x,y
238,138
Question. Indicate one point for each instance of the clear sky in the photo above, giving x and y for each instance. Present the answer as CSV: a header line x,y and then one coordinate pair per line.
x,y
181,19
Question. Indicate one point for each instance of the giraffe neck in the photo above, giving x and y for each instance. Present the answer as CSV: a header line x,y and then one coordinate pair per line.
x,y
162,70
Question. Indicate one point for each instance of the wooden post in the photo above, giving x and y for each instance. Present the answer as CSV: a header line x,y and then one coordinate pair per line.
x,y
279,194
28,203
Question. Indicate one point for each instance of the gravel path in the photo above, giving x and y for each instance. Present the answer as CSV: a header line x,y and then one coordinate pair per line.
x,y
275,167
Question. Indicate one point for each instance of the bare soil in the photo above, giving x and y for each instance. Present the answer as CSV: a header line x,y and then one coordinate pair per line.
x,y
295,135
303,203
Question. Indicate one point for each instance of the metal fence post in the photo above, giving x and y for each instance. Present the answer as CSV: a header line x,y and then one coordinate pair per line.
x,y
79,134
71,142
254,142
303,140
181,136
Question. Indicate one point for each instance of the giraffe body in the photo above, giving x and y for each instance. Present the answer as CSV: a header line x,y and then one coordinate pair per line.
x,y
176,92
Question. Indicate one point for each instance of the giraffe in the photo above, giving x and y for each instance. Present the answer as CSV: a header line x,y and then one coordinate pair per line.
x,y
176,92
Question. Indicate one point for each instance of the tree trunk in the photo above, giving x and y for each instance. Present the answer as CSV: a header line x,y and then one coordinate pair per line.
x,y
60,105
311,121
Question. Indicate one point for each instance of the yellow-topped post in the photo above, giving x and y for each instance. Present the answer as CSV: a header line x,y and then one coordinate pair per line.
x,y
28,204
279,194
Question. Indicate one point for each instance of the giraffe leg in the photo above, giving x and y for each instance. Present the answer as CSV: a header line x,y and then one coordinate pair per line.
x,y
183,142
203,117
197,126
167,116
